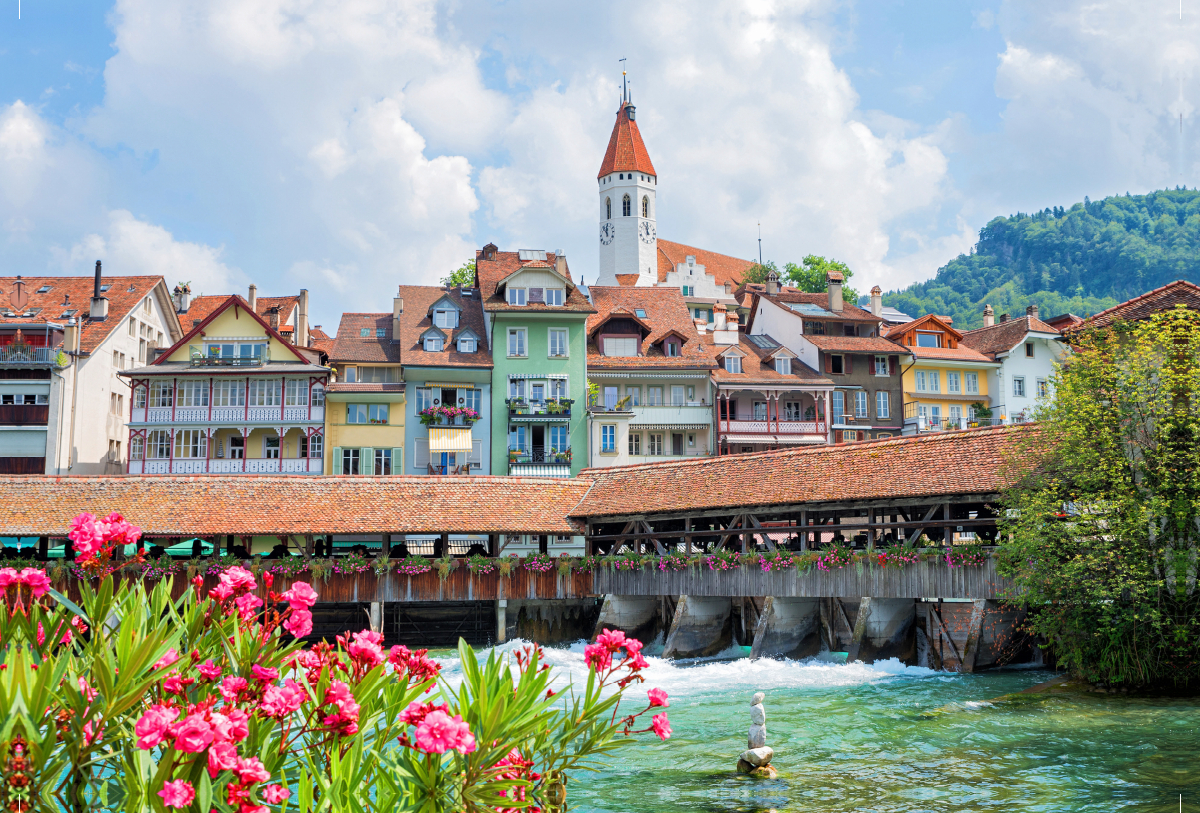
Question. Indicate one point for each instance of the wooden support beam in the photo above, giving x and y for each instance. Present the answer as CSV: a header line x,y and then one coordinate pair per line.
x,y
917,531
944,634
687,535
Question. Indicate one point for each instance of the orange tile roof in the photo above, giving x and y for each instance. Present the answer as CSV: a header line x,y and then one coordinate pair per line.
x,y
948,353
416,319
201,306
490,272
666,313
1179,292
208,505
756,368
725,269
1004,336
351,345
320,340
857,344
973,461
124,294
629,280
232,301
626,152
794,296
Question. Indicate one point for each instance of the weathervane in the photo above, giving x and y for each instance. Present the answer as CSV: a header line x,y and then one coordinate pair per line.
x,y
624,82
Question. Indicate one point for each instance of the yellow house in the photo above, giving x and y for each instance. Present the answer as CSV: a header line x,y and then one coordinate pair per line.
x,y
364,424
946,385
233,396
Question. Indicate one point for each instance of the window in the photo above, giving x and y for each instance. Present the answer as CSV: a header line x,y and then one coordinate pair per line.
x,y
364,332
377,375
237,447
264,393
558,342
634,394
137,448
635,443
689,290
783,365
620,347
1028,350
558,438
814,328
645,206
349,461
146,304
760,410
193,394
654,396
383,461
378,413
380,333
161,394
655,443
271,447
516,296
116,360
516,341
356,413
1042,389
132,327
1019,386
733,364
972,381
139,397
191,443
625,206
112,405
469,399
445,317
142,350
929,339
316,445
955,413
953,383
554,296
516,388
671,348
881,365
882,408
466,345
608,208
114,451
837,365
608,435
610,398
791,411
839,405
677,395
558,388
228,393
433,344
158,445
296,393
860,404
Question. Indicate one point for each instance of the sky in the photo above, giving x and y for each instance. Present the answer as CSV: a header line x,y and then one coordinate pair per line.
x,y
348,146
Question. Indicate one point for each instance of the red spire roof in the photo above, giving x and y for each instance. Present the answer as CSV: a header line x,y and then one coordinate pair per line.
x,y
626,152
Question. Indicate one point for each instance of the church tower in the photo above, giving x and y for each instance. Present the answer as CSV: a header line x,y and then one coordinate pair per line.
x,y
627,183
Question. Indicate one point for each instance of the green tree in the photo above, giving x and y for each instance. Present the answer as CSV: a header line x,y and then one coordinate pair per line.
x,y
1104,524
463,275
811,275
757,273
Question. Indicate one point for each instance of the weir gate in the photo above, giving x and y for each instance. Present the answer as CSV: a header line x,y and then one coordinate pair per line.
x,y
940,490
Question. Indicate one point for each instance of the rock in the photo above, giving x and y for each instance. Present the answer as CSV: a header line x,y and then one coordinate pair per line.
x,y
758,736
758,756
744,767
757,699
758,715
765,772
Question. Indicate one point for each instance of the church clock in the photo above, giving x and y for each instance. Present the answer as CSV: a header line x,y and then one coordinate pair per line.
x,y
646,232
607,232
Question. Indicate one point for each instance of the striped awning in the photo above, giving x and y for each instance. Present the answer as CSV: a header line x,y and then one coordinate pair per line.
x,y
449,439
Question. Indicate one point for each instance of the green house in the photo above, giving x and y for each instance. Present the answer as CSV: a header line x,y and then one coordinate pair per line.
x,y
536,321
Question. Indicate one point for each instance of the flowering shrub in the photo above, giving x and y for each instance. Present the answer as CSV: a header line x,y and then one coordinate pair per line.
x,y
965,556
481,565
435,414
565,564
627,561
674,561
777,560
352,564
589,564
413,565
722,560
538,562
445,566
897,556
836,557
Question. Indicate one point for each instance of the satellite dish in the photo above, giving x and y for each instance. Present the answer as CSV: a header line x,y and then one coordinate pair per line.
x,y
18,298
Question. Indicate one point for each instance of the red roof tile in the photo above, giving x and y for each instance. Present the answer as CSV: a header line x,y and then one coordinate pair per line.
x,y
489,273
1004,336
793,296
351,346
757,368
231,301
418,318
857,344
666,313
974,461
725,269
1161,299
201,306
626,152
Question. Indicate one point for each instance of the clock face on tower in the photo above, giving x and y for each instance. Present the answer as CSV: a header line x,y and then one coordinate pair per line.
x,y
646,232
607,232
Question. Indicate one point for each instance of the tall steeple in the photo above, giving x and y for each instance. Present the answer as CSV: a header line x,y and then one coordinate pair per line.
x,y
627,184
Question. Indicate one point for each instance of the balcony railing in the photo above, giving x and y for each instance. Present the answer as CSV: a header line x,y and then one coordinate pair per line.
x,y
229,415
539,454
762,426
24,355
549,409
251,465
200,359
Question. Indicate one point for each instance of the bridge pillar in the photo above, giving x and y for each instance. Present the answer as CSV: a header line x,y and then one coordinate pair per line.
x,y
885,628
377,616
637,616
501,620
702,626
788,628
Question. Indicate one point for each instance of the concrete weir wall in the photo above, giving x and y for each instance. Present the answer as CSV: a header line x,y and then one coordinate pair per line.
x,y
550,621
702,626
788,628
885,628
638,617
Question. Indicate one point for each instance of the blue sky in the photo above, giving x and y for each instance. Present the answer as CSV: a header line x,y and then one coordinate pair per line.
x,y
354,145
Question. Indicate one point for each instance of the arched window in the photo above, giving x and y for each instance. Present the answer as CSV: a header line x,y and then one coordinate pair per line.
x,y
608,208
625,206
645,206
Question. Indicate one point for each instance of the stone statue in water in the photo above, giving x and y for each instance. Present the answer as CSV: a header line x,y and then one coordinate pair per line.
x,y
756,759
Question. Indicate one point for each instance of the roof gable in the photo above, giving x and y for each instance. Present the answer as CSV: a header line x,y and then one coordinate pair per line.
x,y
235,307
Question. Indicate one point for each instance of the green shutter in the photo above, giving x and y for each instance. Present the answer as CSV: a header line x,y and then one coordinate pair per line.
x,y
398,460
366,460
337,459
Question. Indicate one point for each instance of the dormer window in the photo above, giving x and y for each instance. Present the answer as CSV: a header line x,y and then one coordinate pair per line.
x,y
620,346
554,296
445,317
671,347
929,339
466,345
783,365
733,364
516,296
433,344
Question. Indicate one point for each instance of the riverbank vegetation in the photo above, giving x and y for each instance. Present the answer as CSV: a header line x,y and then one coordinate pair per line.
x,y
1104,532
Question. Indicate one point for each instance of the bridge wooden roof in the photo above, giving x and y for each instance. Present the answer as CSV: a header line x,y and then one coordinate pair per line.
x,y
962,463
209,505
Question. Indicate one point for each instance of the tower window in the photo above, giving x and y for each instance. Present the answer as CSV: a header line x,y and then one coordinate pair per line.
x,y
645,206
622,176
625,206
608,208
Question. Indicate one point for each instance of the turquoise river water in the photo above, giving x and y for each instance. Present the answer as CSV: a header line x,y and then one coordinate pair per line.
x,y
888,737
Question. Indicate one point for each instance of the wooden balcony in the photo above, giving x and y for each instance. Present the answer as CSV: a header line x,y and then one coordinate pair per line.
x,y
24,414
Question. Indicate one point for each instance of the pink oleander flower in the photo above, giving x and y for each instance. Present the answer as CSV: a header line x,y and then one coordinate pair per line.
x,y
280,701
209,671
221,592
300,596
299,622
633,646
7,576
120,532
86,690
154,726
658,698
87,536
661,726
173,684
247,604
222,756
264,673
90,736
193,735
613,639
365,647
597,655
179,793
166,660
275,794
637,662
439,733
36,580
416,712
41,634
250,771
232,686
238,578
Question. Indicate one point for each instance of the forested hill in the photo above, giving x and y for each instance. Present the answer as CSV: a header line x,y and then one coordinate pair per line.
x,y
1083,259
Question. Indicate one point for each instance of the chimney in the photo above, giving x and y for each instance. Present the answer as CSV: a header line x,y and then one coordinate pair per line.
x,y
772,283
1032,311
71,336
1004,317
273,318
701,326
725,326
397,309
834,282
99,309
301,334
989,316
182,296
877,301
560,264
253,298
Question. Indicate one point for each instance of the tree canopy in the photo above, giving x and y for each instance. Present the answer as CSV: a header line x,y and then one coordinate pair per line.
x,y
1082,259
809,275
463,275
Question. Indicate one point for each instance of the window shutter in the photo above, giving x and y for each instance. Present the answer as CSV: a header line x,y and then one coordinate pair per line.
x,y
398,460
366,460
828,363
847,364
337,459
475,458
535,295
893,363
421,454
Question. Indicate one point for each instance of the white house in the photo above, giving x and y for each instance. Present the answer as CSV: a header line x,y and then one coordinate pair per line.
x,y
1028,350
